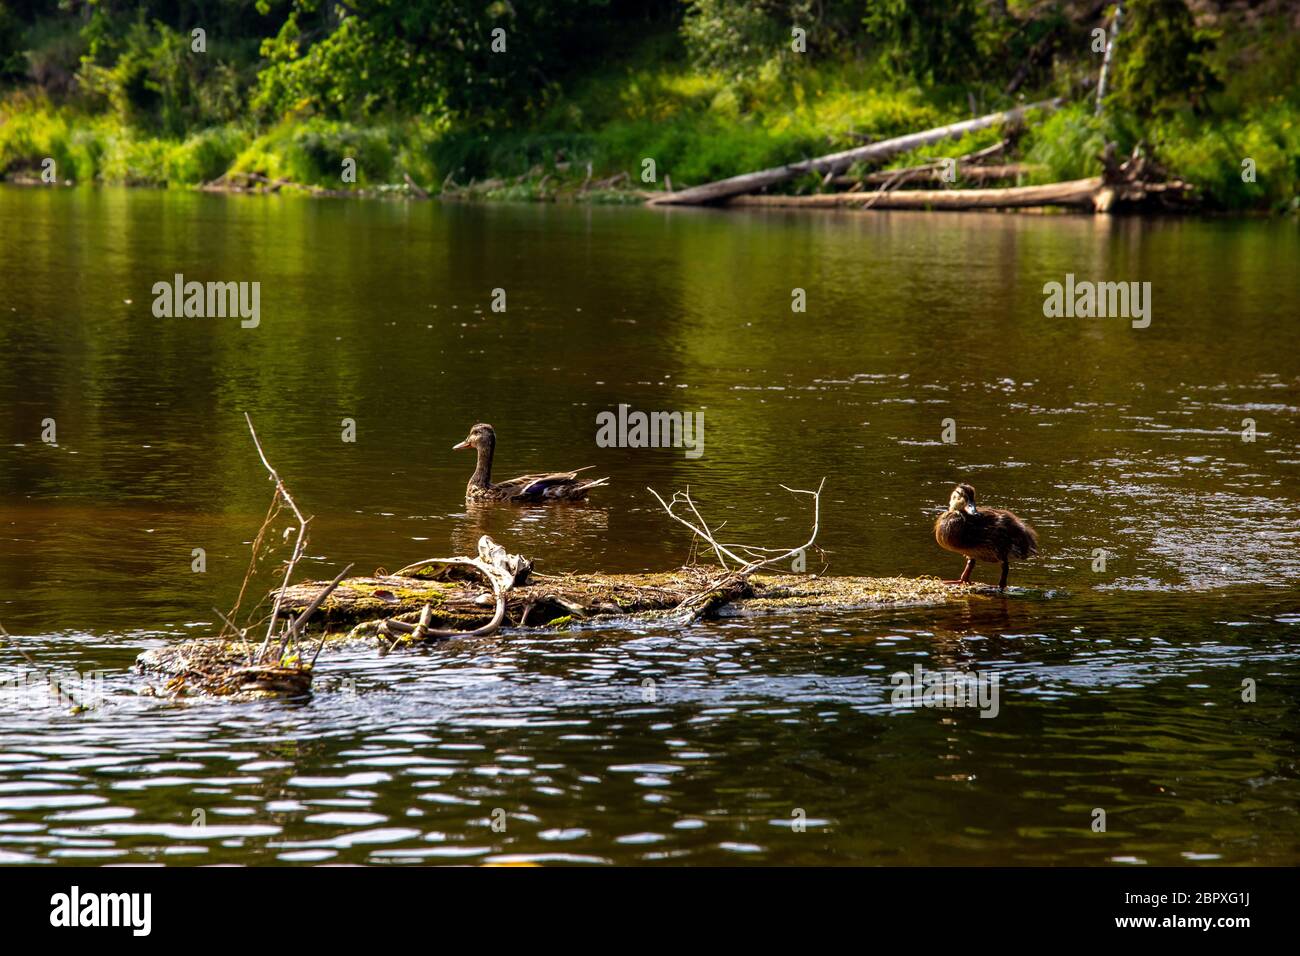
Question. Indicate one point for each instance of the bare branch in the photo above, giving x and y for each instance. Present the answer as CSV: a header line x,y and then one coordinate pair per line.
x,y
300,545
758,556
503,571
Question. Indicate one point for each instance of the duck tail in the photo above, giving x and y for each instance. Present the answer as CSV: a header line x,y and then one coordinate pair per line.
x,y
1030,544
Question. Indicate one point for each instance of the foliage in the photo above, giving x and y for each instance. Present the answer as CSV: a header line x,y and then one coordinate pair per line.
x,y
929,39
741,39
1163,60
155,80
486,61
1213,157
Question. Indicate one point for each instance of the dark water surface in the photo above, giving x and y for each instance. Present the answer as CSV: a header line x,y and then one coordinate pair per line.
x,y
770,740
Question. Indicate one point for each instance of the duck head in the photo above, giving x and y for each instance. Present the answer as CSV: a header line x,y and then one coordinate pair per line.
x,y
962,499
481,436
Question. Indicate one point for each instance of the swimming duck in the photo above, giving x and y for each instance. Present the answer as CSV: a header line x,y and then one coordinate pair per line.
x,y
990,535
558,486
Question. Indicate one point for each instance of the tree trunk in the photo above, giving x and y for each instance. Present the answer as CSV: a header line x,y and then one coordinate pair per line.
x,y
934,174
1077,192
1108,56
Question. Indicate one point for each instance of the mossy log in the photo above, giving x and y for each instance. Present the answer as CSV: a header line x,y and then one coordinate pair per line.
x,y
357,607
934,173
1077,192
574,599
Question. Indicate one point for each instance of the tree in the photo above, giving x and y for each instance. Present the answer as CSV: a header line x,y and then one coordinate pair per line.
x,y
466,60
1163,59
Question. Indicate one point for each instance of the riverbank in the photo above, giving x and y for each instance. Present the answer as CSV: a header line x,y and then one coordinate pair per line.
x,y
623,137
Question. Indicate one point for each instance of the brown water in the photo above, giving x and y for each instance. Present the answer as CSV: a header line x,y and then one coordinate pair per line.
x,y
1121,689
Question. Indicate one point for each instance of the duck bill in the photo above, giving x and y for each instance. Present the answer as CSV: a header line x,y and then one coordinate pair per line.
x,y
459,446
969,509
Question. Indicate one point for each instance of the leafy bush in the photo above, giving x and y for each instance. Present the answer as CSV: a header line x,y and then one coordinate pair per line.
x,y
48,52
205,156
1213,156
312,151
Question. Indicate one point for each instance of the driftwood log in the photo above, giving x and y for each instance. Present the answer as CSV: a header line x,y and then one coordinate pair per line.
x,y
1078,192
566,601
361,608
836,163
934,173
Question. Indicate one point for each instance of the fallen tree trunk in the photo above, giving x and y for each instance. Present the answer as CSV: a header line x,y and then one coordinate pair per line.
x,y
562,601
359,608
1077,192
835,163
933,173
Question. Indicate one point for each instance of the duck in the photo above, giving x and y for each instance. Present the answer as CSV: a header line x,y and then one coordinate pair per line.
x,y
988,534
556,486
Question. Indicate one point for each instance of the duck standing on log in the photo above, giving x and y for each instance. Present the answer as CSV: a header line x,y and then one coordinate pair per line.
x,y
992,534
557,486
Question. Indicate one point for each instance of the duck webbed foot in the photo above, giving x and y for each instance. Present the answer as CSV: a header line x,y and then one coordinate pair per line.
x,y
965,574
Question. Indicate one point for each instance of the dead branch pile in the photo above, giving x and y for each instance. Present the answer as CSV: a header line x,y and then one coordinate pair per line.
x,y
229,664
504,571
1132,183
1138,180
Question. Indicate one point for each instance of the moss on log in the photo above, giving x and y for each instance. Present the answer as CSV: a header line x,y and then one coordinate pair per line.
x,y
358,606
573,599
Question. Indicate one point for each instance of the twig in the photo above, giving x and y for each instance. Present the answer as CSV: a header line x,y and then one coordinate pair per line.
x,y
299,545
702,532
311,609
241,632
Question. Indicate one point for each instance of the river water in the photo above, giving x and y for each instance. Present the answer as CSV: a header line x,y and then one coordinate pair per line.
x,y
1158,464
